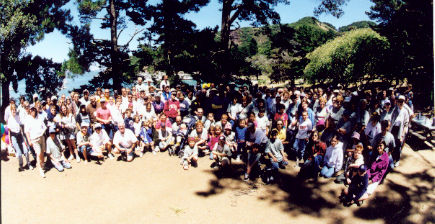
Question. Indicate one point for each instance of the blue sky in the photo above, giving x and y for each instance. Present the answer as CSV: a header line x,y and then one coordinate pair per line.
x,y
56,46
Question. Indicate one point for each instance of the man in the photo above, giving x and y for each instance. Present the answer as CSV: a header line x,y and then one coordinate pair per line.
x,y
184,104
172,107
8,109
140,86
55,150
256,142
399,128
100,141
91,108
85,99
125,141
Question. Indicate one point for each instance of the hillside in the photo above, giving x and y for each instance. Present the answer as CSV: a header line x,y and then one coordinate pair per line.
x,y
357,25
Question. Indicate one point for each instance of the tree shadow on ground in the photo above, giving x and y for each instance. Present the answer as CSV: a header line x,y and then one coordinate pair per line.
x,y
319,198
395,205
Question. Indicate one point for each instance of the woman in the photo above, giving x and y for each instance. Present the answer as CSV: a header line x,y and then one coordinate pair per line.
x,y
315,151
377,169
321,112
333,160
17,139
67,126
35,129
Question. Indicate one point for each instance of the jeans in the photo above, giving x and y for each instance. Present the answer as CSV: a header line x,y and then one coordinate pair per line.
x,y
110,129
299,146
327,172
17,142
277,165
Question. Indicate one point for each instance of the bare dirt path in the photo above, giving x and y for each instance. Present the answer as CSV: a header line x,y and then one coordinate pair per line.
x,y
155,189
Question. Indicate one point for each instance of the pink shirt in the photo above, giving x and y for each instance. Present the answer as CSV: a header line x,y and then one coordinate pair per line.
x,y
103,113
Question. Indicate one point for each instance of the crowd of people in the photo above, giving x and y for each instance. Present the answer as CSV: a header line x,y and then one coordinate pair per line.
x,y
353,135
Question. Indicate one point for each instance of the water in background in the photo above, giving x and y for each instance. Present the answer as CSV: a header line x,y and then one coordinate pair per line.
x,y
73,82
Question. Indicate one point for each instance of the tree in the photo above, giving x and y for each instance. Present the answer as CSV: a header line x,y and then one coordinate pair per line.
x,y
173,31
257,11
24,23
408,26
109,53
353,57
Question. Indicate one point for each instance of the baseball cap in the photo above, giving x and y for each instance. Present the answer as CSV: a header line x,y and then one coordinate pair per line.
x,y
228,126
402,97
97,125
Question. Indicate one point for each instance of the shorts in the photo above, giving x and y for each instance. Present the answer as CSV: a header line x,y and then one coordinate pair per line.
x,y
88,149
372,187
39,145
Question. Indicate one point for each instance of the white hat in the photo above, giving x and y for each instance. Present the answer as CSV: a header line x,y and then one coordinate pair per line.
x,y
35,95
53,98
402,97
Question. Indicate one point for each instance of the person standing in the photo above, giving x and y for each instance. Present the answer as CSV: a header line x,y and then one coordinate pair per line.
x,y
35,129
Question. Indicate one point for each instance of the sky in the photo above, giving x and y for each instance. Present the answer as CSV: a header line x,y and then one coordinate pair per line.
x,y
55,46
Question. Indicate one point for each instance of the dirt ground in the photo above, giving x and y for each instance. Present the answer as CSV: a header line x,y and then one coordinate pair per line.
x,y
155,189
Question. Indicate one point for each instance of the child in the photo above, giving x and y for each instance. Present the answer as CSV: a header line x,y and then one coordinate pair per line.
x,y
209,122
145,137
128,120
304,128
137,125
190,154
221,153
231,138
355,160
358,184
240,138
263,121
180,136
281,115
213,139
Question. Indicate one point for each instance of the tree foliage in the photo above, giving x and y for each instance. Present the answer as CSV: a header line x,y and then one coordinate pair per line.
x,y
24,23
355,56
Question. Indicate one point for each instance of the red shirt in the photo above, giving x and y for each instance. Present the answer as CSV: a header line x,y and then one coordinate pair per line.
x,y
103,113
172,108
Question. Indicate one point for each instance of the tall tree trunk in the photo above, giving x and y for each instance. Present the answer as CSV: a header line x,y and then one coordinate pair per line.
x,y
225,25
5,98
114,51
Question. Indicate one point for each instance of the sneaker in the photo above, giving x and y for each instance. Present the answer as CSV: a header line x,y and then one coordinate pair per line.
x,y
110,155
86,162
26,167
238,158
396,164
246,177
154,152
78,159
41,172
141,154
185,166
71,157
31,167
20,169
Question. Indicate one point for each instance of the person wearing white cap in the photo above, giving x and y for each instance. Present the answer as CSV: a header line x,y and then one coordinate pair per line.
x,y
140,86
100,141
55,150
399,127
83,141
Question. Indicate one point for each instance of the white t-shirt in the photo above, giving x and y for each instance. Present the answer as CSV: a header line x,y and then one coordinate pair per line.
x,y
98,140
304,128
262,122
125,140
234,109
35,127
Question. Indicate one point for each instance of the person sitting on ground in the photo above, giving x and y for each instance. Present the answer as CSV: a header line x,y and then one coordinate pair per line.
x,y
125,142
333,160
166,139
83,142
358,183
314,152
200,136
354,160
221,153
146,137
100,141
55,150
377,169
190,154
275,150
